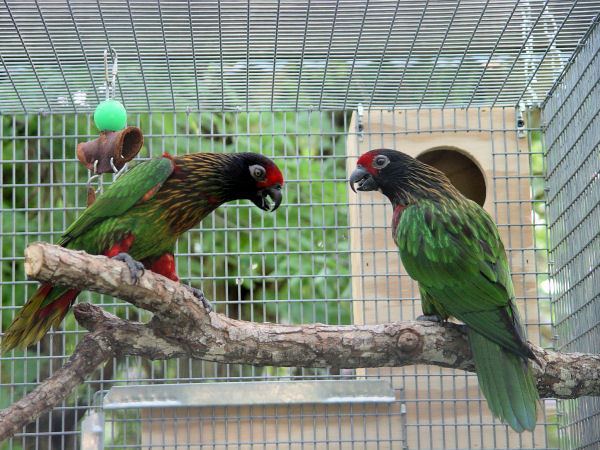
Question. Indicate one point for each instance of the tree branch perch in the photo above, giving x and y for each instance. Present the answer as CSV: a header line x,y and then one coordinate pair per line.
x,y
182,327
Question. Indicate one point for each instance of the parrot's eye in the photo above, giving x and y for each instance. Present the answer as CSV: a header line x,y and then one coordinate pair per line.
x,y
380,161
258,172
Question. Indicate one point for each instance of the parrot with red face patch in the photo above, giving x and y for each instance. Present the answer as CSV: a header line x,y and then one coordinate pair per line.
x,y
452,248
139,217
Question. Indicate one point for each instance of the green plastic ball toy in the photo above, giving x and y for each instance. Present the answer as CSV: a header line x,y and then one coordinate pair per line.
x,y
110,115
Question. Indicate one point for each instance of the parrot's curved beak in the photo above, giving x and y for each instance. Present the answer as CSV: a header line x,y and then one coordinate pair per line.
x,y
261,199
364,180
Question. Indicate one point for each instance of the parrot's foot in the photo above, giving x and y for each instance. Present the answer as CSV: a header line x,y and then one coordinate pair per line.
x,y
200,296
136,268
430,318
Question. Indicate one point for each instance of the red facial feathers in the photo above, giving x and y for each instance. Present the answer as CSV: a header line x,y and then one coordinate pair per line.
x,y
366,161
273,177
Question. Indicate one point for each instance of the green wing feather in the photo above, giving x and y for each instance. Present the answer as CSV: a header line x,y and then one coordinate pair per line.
x,y
454,251
121,195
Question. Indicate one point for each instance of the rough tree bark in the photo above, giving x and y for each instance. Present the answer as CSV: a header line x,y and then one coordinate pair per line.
x,y
182,327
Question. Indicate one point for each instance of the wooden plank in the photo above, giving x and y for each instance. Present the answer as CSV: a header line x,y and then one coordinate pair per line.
x,y
293,427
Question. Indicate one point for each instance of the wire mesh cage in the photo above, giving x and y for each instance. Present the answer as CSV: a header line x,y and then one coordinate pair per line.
x,y
311,84
573,207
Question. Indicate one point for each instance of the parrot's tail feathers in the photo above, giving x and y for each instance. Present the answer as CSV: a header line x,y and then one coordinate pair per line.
x,y
37,316
506,382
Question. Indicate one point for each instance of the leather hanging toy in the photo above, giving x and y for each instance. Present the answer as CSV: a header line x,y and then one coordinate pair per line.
x,y
117,144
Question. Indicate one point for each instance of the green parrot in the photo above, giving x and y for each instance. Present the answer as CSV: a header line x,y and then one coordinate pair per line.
x,y
139,217
451,247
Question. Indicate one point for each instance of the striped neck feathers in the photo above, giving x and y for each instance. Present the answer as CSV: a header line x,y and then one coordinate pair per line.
x,y
419,182
199,184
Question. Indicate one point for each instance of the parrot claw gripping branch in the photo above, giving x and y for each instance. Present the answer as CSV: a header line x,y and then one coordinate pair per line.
x,y
136,268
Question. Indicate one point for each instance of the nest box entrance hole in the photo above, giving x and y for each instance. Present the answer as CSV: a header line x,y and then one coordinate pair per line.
x,y
462,171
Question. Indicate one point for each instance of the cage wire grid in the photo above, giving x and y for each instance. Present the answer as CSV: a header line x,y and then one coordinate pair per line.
x,y
320,54
279,78
233,255
573,192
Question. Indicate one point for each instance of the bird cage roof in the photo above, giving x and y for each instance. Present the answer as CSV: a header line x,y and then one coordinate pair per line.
x,y
286,54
